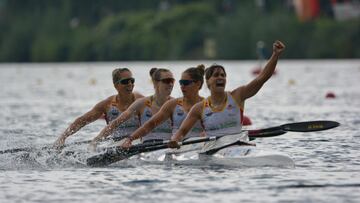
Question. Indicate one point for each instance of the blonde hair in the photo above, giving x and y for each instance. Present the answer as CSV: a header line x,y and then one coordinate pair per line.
x,y
116,74
196,73
155,73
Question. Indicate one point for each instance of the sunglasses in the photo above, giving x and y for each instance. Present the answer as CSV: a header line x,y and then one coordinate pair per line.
x,y
126,81
186,82
167,80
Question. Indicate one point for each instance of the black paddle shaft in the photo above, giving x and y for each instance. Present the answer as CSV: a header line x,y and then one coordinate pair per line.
x,y
114,154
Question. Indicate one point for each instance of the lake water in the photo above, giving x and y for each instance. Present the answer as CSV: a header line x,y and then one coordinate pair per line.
x,y
38,101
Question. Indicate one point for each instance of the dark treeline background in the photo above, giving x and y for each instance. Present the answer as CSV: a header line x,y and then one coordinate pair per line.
x,y
115,30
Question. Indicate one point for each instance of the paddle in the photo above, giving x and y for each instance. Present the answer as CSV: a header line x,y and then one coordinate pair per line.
x,y
114,154
28,149
307,126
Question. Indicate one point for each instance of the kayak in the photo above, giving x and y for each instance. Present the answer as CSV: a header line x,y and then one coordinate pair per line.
x,y
225,149
233,156
237,155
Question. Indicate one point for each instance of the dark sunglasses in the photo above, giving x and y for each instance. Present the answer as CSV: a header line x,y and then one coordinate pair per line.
x,y
186,82
126,81
167,80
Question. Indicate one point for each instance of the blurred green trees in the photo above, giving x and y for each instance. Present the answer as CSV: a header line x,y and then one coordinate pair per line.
x,y
41,31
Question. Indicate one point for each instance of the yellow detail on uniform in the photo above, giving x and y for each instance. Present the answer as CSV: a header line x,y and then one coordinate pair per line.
x,y
180,101
206,103
148,103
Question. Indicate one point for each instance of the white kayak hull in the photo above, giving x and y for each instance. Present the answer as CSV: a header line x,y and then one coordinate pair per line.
x,y
232,156
235,156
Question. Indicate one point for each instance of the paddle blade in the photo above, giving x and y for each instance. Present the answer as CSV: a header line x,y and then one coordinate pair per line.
x,y
15,150
310,126
115,154
111,155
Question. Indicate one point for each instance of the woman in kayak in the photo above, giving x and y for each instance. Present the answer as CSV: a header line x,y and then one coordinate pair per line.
x,y
146,107
176,109
111,108
222,112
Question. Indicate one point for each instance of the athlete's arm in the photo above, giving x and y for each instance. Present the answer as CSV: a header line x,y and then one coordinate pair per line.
x,y
190,120
163,114
95,113
134,108
244,92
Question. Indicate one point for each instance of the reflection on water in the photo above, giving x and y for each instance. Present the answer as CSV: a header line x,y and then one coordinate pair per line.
x,y
38,101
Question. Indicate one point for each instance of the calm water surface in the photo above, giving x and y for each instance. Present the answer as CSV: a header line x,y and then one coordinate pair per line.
x,y
38,101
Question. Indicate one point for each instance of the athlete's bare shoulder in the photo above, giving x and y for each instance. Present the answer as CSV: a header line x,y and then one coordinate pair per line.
x,y
173,101
198,107
102,105
108,100
138,95
170,104
140,102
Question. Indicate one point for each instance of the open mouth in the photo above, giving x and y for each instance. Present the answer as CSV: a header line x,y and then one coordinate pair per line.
x,y
129,89
168,89
220,83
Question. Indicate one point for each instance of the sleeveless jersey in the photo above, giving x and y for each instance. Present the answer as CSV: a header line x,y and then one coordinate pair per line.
x,y
226,121
179,116
162,131
127,127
